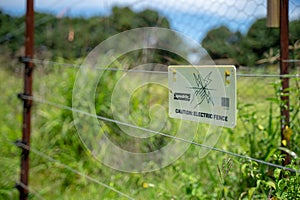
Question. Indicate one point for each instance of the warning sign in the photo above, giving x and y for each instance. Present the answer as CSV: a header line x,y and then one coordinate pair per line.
x,y
204,94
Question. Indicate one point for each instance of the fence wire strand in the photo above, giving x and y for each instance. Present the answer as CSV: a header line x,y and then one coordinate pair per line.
x,y
43,155
38,61
35,193
60,106
236,9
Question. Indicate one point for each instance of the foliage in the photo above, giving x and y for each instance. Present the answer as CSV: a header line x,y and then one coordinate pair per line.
x,y
221,43
71,38
11,118
260,45
216,176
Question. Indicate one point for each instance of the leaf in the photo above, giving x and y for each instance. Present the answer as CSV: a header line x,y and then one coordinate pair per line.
x,y
271,153
260,127
277,173
292,153
251,192
271,184
284,143
287,132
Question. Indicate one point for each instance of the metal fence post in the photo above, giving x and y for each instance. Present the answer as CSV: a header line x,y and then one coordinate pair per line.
x,y
284,69
27,102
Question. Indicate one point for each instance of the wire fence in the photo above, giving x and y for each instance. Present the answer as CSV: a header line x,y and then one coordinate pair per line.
x,y
38,100
271,78
258,86
50,159
244,73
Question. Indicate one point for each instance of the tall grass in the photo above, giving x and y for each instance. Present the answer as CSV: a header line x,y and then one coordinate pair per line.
x,y
215,176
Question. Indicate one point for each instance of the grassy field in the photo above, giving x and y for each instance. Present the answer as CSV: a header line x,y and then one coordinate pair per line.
x,y
214,176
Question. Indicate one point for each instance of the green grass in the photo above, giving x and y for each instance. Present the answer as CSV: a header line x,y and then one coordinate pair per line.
x,y
11,120
215,176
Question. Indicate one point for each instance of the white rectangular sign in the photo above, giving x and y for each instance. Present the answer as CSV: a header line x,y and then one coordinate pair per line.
x,y
204,94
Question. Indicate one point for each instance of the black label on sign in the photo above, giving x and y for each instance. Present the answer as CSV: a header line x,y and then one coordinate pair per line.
x,y
182,96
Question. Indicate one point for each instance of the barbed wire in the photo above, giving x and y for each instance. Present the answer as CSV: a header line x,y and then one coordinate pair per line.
x,y
38,61
43,155
60,106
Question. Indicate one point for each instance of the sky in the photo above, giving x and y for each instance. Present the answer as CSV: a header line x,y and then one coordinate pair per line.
x,y
193,18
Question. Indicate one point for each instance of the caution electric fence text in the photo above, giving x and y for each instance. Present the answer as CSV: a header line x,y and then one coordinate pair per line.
x,y
202,114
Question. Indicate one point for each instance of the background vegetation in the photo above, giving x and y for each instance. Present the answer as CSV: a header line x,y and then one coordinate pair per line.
x,y
216,176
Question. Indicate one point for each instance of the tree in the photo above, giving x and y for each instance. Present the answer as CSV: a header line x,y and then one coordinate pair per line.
x,y
258,40
294,37
259,45
221,43
74,37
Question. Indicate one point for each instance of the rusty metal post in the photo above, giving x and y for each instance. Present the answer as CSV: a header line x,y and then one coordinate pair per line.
x,y
27,103
284,69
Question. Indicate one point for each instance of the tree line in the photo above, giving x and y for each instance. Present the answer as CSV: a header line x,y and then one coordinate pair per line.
x,y
71,38
259,46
